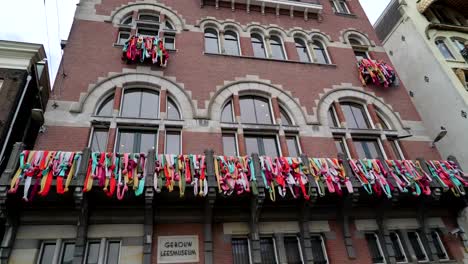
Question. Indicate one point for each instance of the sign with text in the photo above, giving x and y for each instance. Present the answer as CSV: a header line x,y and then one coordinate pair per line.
x,y
177,249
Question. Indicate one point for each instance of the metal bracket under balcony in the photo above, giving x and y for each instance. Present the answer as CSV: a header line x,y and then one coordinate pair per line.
x,y
279,7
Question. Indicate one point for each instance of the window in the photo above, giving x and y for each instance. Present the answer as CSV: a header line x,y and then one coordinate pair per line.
x,y
231,43
332,117
277,49
111,252
140,103
360,55
320,52
148,18
293,147
400,255
226,114
341,146
168,26
302,50
258,45
173,145
285,120
368,148
99,140
439,246
340,6
293,251
240,251
459,43
172,110
384,123
263,145
255,110
107,107
136,141
375,248
355,115
127,20
68,249
211,41
444,49
47,253
318,249
229,144
268,250
123,37
417,246
396,148
169,41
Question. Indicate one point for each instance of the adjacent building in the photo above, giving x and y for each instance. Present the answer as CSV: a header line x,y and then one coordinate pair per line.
x,y
230,131
427,42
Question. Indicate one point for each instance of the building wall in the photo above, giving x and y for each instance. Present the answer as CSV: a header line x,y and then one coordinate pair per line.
x,y
418,57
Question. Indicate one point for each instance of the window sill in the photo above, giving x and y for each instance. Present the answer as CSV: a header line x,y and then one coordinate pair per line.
x,y
268,59
346,14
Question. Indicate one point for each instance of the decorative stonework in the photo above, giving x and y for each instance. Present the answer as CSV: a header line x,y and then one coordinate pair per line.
x,y
345,33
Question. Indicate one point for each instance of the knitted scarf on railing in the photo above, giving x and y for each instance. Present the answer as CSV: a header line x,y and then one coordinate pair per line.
x,y
409,176
449,175
377,72
139,48
373,176
235,175
330,173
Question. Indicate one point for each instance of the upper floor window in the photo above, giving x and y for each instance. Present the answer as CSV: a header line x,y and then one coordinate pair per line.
x,y
136,141
59,248
375,248
319,250
368,148
285,119
268,250
99,139
107,106
172,110
277,48
293,250
359,48
444,49
255,110
211,40
302,50
148,17
400,255
320,52
128,20
231,43
227,113
439,246
110,254
355,115
240,251
173,143
258,45
418,246
340,6
140,103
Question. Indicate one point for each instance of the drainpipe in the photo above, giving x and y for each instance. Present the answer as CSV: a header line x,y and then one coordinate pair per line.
x,y
28,79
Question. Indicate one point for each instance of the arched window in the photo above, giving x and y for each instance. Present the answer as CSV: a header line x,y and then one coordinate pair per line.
x,y
169,35
360,50
354,41
231,43
277,48
148,17
383,122
285,119
355,115
211,41
172,110
127,20
107,106
320,52
140,103
255,110
302,50
332,120
258,45
444,49
227,113
168,25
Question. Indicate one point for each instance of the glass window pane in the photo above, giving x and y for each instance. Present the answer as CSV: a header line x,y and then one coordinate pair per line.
x,y
99,140
226,114
126,142
128,20
172,110
262,111
417,246
173,143
251,144
147,142
367,148
152,18
67,254
169,43
340,146
149,105
267,250
317,250
293,255
331,117
374,248
302,50
113,251
47,253
169,25
355,116
92,256
107,107
270,147
276,45
320,53
293,148
240,251
229,145
285,120
440,248
444,50
258,46
397,247
231,44
211,41
459,43
123,37
131,103
247,108
360,55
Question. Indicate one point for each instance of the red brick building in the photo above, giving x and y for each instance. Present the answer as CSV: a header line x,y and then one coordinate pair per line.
x,y
272,78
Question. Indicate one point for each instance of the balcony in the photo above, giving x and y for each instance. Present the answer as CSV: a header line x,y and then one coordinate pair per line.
x,y
279,7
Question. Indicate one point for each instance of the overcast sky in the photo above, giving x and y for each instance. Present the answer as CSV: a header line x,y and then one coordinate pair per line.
x,y
34,21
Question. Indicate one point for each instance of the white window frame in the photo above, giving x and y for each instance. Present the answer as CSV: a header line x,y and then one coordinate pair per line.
x,y
421,245
135,129
169,35
149,14
449,49
441,244
275,249
296,139
180,139
175,102
311,59
103,248
337,6
217,34
335,116
379,246
345,144
142,89
324,248
282,46
232,112
400,245
58,250
248,245
125,18
398,147
325,49
93,128
238,41
236,142
265,51
106,251
119,38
